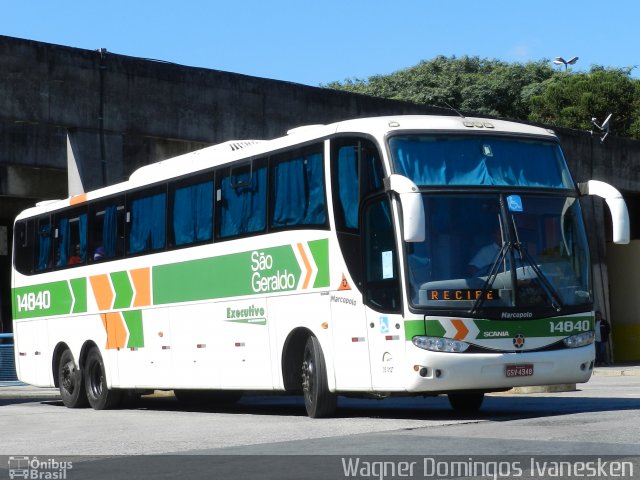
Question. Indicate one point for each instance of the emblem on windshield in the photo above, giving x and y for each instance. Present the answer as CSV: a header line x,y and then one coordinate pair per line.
x,y
518,341
514,202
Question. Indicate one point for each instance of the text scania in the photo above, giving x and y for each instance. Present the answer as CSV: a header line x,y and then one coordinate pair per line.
x,y
264,280
496,334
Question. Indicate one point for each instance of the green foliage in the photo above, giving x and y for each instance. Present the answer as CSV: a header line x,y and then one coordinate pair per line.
x,y
573,99
532,91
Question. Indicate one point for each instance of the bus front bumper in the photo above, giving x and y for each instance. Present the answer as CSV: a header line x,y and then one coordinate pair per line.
x,y
439,372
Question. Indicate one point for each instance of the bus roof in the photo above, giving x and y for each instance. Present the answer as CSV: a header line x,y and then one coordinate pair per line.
x,y
236,150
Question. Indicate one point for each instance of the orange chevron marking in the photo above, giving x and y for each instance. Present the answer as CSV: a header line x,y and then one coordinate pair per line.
x,y
116,331
461,328
78,199
141,279
307,265
102,291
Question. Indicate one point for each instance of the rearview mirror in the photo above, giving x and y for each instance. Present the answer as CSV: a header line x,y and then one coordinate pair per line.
x,y
413,225
617,206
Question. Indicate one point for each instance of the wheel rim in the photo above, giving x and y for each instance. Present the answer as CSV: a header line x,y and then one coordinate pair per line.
x,y
96,377
307,376
68,377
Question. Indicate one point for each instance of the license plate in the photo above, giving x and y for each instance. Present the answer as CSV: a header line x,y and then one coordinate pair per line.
x,y
519,370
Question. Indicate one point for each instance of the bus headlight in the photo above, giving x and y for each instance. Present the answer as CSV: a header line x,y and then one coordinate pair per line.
x,y
579,340
437,344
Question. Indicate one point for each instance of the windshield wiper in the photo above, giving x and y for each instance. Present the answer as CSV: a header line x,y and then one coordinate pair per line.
x,y
493,274
548,288
526,260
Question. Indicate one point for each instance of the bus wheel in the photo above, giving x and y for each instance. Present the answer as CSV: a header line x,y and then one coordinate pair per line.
x,y
318,400
95,381
466,402
70,382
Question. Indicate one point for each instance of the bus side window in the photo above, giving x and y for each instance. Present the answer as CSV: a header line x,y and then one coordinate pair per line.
x,y
191,213
70,238
24,246
106,230
356,171
346,183
380,257
297,189
43,244
241,200
147,223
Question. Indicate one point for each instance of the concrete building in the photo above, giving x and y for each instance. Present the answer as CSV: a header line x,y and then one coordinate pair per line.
x,y
117,113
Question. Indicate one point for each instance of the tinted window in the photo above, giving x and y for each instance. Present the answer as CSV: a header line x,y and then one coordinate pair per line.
x,y
43,244
381,259
297,189
242,200
192,212
24,246
106,230
146,218
70,246
479,160
357,171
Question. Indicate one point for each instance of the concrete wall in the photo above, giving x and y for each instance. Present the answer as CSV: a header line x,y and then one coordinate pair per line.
x,y
124,112
625,300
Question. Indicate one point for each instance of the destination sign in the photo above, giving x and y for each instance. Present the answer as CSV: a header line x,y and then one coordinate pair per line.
x,y
462,294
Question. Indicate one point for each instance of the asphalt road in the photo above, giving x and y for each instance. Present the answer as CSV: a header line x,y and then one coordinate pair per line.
x,y
271,437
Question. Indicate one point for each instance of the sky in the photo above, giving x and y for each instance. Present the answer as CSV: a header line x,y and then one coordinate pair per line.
x,y
320,41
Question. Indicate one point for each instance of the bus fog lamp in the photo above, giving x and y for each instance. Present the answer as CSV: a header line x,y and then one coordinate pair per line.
x,y
437,344
579,340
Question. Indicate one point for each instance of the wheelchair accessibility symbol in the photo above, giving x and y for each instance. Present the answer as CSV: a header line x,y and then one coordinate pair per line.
x,y
514,202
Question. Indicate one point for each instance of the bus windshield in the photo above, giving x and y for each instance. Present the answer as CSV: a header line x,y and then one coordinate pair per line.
x,y
486,251
435,160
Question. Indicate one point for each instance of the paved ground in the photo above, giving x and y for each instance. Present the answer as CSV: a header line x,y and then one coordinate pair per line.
x,y
160,438
21,390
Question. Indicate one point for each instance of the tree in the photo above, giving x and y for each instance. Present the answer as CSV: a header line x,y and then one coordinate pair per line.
x,y
488,87
573,99
531,91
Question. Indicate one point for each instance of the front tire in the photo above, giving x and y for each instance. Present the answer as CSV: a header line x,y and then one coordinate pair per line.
x,y
318,400
100,397
466,402
70,382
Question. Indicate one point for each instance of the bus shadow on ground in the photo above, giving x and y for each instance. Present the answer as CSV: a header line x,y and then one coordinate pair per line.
x,y
494,408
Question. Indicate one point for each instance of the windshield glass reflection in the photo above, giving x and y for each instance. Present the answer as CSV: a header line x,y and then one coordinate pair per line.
x,y
480,253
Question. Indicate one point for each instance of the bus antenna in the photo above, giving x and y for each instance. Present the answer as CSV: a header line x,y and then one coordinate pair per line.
x,y
451,108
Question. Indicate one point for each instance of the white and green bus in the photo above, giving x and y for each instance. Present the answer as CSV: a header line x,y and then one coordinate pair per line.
x,y
412,255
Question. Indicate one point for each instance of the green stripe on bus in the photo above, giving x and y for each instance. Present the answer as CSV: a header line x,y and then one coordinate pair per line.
x,y
49,299
269,270
320,251
413,328
543,327
79,291
133,319
124,291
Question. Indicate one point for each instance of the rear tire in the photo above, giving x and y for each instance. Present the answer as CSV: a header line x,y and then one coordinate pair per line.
x,y
318,400
466,402
70,382
100,397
